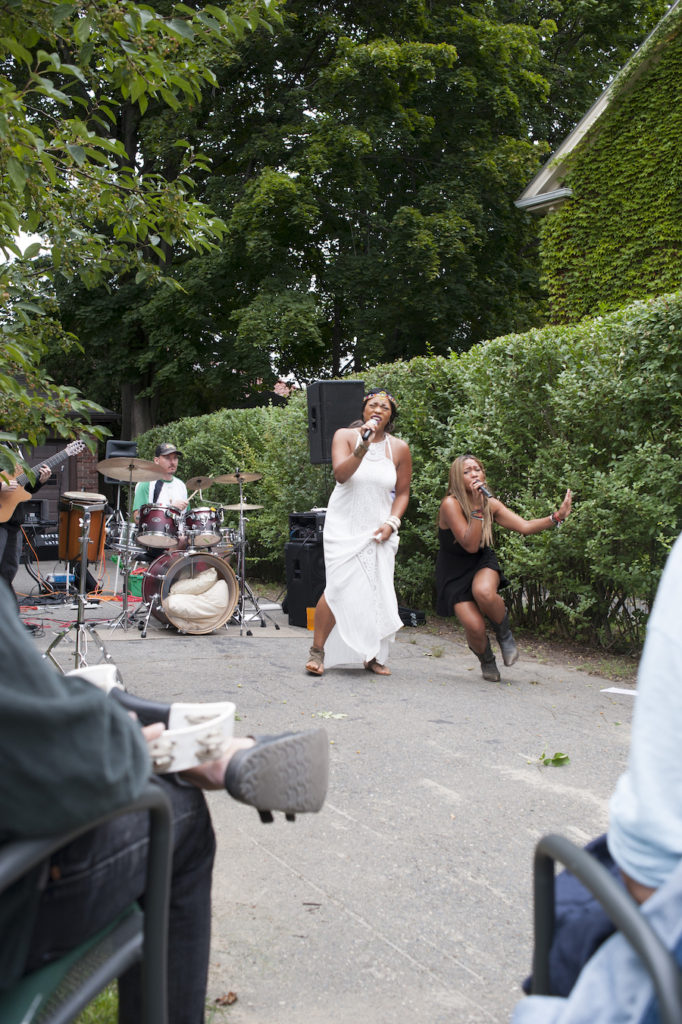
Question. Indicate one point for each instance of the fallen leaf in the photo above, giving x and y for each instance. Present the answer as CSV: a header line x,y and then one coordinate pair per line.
x,y
226,1000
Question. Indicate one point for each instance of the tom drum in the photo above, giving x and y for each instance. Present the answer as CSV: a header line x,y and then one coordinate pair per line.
x,y
158,526
202,525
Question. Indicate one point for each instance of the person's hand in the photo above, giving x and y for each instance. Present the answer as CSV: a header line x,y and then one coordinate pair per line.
x,y
150,732
476,494
371,425
9,485
383,533
153,731
181,505
565,508
44,473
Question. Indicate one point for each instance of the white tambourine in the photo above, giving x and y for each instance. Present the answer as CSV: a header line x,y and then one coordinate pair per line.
x,y
195,733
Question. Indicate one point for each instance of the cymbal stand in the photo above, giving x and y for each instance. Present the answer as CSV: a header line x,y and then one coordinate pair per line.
x,y
244,588
81,627
116,519
126,560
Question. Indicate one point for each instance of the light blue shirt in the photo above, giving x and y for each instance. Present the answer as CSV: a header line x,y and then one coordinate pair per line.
x,y
645,828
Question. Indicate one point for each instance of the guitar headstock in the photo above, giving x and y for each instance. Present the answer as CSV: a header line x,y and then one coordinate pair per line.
x,y
75,447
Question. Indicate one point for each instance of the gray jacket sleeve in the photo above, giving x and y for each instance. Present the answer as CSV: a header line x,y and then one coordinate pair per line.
x,y
67,752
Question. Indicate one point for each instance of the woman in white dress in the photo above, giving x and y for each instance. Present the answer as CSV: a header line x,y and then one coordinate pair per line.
x,y
357,616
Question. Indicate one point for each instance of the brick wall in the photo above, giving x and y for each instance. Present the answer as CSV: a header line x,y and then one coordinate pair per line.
x,y
87,476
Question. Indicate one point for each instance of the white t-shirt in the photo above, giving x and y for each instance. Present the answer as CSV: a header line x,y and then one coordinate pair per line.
x,y
171,493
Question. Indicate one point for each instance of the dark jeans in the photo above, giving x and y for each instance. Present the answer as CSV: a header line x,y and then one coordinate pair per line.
x,y
96,877
10,551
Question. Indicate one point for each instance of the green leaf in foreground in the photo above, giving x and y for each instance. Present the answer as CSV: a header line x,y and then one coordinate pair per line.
x,y
556,760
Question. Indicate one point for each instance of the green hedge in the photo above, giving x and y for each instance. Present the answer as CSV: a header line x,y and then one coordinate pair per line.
x,y
595,406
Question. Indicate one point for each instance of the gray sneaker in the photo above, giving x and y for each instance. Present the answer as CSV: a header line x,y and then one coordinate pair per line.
x,y
286,773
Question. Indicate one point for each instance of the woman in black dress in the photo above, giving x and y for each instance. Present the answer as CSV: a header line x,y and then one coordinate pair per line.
x,y
468,575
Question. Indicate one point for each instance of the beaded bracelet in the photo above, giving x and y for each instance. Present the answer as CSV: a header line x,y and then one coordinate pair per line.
x,y
555,519
477,514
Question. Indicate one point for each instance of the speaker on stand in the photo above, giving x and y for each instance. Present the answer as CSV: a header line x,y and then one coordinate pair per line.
x,y
332,404
114,450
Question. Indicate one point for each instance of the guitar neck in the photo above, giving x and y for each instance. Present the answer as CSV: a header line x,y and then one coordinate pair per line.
x,y
53,461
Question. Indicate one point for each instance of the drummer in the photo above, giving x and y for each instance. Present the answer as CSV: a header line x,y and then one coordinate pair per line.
x,y
167,491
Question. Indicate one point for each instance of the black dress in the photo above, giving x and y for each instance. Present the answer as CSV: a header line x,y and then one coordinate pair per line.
x,y
456,568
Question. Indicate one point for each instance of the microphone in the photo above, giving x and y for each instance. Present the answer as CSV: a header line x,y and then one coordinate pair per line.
x,y
366,433
484,491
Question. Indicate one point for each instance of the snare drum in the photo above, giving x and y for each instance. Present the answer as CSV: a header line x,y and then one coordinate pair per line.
x,y
229,540
72,506
122,537
202,525
158,526
193,591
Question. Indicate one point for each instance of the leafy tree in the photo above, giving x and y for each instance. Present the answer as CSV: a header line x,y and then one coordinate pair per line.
x,y
74,82
583,43
364,160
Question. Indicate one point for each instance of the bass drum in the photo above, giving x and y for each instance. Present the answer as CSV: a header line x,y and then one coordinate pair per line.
x,y
193,591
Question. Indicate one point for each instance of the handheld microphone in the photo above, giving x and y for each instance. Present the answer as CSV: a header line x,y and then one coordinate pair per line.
x,y
484,491
366,433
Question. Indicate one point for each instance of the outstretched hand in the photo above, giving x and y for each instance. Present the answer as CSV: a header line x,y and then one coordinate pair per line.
x,y
566,505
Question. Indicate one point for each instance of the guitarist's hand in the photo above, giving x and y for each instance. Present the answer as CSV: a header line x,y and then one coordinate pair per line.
x,y
9,485
44,473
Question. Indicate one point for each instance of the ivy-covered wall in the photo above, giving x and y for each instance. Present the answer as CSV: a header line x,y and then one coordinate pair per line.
x,y
619,238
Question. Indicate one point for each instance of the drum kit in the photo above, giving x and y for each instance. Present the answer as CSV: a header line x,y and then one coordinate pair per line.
x,y
190,583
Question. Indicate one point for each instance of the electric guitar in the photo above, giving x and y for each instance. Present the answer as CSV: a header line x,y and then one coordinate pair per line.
x,y
10,499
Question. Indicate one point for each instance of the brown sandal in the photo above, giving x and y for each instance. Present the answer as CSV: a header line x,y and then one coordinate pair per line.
x,y
377,668
315,663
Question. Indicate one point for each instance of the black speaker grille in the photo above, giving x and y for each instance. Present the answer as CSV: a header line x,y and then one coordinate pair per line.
x,y
117,449
306,579
332,404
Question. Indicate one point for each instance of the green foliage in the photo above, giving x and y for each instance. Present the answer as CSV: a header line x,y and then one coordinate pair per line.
x,y
619,238
74,80
577,38
596,407
103,1009
267,440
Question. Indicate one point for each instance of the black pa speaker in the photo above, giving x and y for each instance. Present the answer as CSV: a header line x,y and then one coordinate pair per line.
x,y
305,579
116,450
331,404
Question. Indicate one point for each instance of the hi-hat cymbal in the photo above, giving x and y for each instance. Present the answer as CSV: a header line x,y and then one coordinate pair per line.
x,y
238,478
122,468
242,507
199,483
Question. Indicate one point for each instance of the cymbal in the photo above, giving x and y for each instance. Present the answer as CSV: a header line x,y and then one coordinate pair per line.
x,y
241,508
122,468
199,483
238,478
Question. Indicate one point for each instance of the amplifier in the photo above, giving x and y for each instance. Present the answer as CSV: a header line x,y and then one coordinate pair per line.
x,y
35,511
307,527
43,539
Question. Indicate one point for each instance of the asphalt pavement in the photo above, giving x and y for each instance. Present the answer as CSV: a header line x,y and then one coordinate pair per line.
x,y
408,897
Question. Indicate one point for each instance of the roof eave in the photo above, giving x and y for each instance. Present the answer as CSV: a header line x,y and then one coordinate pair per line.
x,y
547,202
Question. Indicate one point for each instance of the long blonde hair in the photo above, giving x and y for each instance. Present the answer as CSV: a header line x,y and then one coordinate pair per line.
x,y
457,488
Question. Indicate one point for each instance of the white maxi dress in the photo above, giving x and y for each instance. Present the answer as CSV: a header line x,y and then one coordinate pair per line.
x,y
359,584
